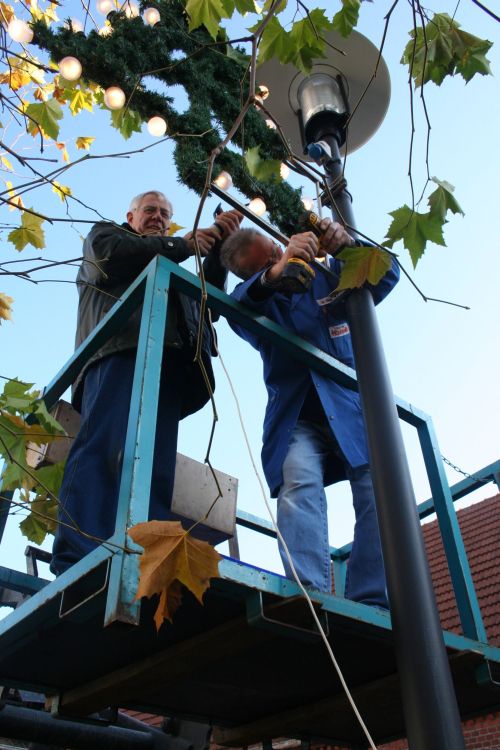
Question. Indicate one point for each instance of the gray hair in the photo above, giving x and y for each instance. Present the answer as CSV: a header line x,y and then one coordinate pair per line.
x,y
235,248
136,202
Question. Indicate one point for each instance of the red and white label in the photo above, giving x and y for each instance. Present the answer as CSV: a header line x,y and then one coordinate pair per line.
x,y
341,330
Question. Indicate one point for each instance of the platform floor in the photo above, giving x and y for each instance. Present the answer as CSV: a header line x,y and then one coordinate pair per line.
x,y
254,673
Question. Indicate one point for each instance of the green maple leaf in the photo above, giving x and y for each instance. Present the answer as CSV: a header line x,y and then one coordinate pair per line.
x,y
445,49
45,418
347,18
415,229
262,169
14,404
51,477
44,507
278,8
126,121
361,265
34,528
44,117
29,233
17,396
207,13
244,6
13,451
442,199
305,42
474,61
274,42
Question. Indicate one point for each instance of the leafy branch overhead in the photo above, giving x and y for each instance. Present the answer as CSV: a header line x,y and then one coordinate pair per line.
x,y
172,558
189,48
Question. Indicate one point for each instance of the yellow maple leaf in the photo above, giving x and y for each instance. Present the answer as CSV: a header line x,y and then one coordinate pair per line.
x,y
84,142
62,191
14,198
50,13
65,156
6,13
174,228
33,433
5,306
40,95
172,557
15,78
6,163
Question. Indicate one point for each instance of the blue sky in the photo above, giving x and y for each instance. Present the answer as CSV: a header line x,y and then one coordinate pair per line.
x,y
443,359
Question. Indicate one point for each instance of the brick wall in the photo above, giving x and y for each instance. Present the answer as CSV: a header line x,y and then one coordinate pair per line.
x,y
482,733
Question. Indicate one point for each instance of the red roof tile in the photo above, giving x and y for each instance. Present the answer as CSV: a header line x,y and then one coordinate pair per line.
x,y
480,527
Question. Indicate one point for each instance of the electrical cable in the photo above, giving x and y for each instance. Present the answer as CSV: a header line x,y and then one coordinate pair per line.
x,y
294,572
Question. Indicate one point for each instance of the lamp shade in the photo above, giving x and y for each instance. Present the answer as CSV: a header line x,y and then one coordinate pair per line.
x,y
346,70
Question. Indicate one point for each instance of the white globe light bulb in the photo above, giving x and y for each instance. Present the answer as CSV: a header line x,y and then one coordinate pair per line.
x,y
157,126
70,68
151,16
224,180
284,171
131,9
271,124
257,206
106,30
105,6
114,97
19,31
262,93
76,25
308,203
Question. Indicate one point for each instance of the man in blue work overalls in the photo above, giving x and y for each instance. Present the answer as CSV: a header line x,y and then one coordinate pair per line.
x,y
314,433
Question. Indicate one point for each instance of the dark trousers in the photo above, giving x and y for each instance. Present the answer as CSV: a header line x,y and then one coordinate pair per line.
x,y
91,483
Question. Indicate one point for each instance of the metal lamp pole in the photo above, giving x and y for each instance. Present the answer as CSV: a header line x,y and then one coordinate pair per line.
x,y
429,702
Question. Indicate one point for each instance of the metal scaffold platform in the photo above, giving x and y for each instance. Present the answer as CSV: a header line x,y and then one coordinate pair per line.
x,y
250,661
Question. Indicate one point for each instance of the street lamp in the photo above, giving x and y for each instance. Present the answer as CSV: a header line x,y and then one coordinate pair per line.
x,y
331,112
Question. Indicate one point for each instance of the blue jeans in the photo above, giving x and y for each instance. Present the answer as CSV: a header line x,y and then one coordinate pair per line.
x,y
303,521
91,482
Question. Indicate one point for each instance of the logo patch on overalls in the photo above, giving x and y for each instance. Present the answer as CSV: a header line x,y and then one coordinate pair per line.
x,y
340,330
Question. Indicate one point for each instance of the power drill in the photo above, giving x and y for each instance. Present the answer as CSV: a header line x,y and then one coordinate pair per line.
x,y
298,275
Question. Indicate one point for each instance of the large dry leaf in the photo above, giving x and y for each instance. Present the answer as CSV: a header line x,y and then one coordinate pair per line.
x,y
171,557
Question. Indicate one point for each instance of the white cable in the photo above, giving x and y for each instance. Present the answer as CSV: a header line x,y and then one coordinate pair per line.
x,y
294,572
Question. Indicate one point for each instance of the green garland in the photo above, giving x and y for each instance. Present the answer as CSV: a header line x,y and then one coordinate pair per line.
x,y
215,84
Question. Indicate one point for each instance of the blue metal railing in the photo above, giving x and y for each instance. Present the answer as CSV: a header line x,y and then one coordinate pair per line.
x,y
151,289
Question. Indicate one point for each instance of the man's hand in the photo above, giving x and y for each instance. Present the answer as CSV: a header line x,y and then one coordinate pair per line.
x,y
334,236
206,240
227,223
303,246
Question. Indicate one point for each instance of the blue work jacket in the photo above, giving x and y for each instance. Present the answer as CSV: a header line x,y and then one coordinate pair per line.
x,y
288,380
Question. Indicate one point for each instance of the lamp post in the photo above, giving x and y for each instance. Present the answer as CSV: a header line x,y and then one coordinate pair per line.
x,y
321,102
